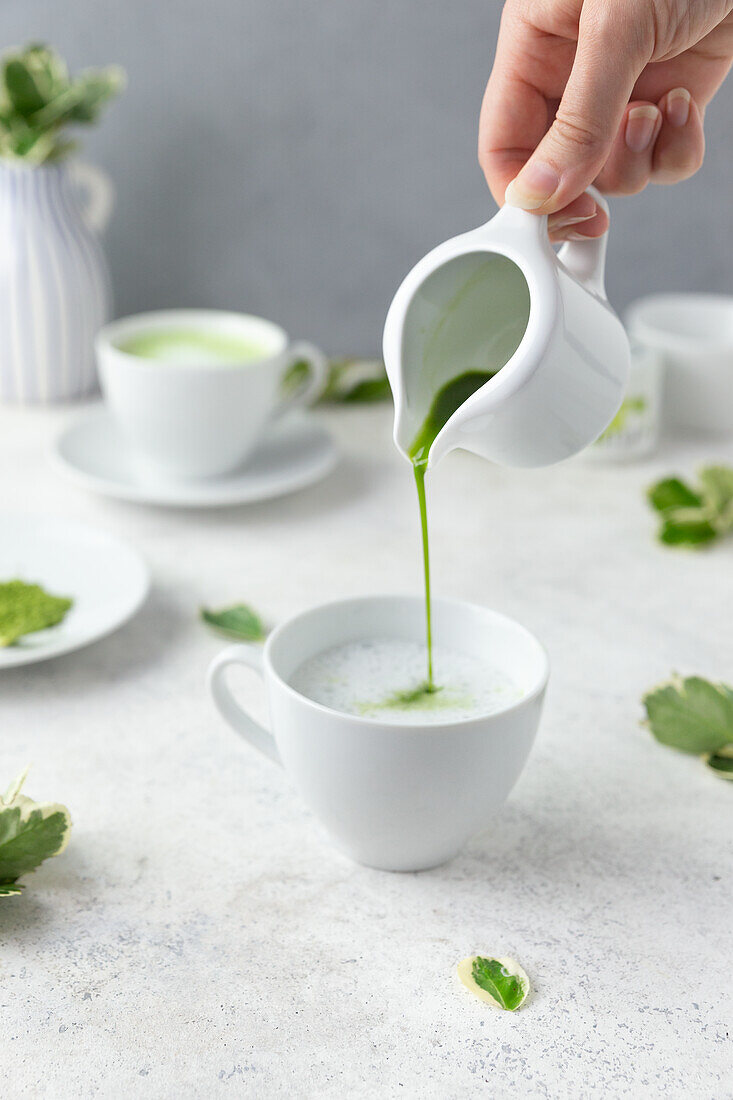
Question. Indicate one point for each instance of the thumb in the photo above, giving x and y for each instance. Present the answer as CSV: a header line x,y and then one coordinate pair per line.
x,y
607,62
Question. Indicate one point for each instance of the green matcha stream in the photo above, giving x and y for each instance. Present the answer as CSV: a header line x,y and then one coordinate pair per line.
x,y
449,398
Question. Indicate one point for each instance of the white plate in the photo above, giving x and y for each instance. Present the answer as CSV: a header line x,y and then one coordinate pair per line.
x,y
107,580
296,453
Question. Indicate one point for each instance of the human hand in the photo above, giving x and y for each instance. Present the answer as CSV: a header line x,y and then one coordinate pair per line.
x,y
626,83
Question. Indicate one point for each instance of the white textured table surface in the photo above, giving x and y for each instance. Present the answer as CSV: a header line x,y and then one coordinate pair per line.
x,y
200,939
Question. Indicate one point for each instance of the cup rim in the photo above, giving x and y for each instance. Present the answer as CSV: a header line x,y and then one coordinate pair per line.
x,y
230,320
407,728
646,330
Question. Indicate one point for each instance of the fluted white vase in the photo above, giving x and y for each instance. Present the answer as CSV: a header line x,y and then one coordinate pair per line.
x,y
54,282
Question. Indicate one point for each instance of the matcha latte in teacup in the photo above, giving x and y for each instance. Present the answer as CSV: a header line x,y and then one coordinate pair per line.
x,y
399,780
195,390
192,345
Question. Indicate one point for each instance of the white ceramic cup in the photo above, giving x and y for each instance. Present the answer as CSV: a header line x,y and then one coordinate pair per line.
x,y
396,797
187,421
693,335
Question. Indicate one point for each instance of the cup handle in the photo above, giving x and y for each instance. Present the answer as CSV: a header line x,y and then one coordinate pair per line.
x,y
586,260
230,710
313,385
97,194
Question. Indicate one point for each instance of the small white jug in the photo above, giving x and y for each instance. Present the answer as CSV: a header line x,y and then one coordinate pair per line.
x,y
499,298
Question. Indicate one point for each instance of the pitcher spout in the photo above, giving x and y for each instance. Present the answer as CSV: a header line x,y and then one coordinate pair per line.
x,y
447,337
442,446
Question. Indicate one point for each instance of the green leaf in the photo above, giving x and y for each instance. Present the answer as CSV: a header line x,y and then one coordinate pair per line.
x,y
687,527
504,986
22,90
31,77
58,110
97,87
499,981
349,381
8,889
370,389
82,100
48,68
32,146
30,832
672,493
26,608
14,788
239,622
337,368
355,380
692,518
717,491
721,762
717,486
37,99
692,715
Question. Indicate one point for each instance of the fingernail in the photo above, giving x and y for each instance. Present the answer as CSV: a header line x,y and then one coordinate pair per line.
x,y
678,106
577,237
533,186
557,221
640,126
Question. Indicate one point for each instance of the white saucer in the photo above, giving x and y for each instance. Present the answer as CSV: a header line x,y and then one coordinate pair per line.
x,y
296,453
107,580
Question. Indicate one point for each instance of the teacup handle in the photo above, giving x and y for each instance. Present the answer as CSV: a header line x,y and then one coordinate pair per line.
x,y
229,708
314,384
586,260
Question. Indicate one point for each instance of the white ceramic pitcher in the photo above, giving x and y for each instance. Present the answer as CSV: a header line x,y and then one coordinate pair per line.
x,y
499,298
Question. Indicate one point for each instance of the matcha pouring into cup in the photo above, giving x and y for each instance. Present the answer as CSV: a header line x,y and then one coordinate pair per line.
x,y
445,403
496,344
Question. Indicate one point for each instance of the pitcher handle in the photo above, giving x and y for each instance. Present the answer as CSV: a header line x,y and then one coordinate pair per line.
x,y
586,260
97,194
229,708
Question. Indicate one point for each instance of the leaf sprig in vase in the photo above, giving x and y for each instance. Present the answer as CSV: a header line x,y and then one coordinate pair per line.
x,y
39,99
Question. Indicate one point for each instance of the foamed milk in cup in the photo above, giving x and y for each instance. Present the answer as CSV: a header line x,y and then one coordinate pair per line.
x,y
384,678
193,346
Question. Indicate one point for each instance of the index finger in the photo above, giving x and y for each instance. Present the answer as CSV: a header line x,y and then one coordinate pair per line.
x,y
515,114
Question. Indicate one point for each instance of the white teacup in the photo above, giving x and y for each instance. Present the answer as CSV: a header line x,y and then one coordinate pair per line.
x,y
396,797
692,336
197,420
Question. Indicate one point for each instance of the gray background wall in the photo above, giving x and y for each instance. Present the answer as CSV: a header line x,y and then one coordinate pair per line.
x,y
295,157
